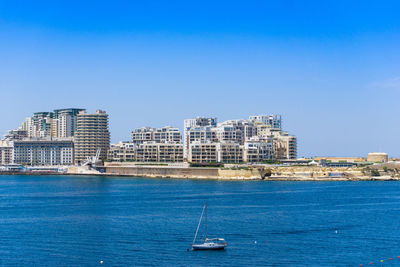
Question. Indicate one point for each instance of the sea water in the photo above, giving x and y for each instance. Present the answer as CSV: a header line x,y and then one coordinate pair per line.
x,y
100,221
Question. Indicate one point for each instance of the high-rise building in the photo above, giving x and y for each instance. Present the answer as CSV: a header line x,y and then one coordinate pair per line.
x,y
67,121
27,126
41,124
59,123
91,134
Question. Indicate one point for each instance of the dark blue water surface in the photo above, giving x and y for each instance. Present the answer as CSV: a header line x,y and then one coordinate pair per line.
x,y
79,221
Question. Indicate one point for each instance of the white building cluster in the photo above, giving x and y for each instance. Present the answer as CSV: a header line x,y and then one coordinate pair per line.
x,y
258,139
150,145
60,137
71,136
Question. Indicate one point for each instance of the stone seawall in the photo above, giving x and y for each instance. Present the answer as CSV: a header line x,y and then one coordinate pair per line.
x,y
171,172
250,172
150,171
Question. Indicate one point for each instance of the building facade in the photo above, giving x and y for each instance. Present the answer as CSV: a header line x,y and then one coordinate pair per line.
x,y
377,157
257,151
259,138
189,124
59,123
275,121
165,134
159,152
91,134
229,153
6,152
123,151
66,120
43,152
203,152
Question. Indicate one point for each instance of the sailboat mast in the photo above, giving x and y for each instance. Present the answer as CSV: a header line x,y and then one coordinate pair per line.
x,y
197,230
206,221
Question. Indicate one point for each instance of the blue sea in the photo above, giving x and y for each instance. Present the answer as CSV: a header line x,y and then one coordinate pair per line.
x,y
83,220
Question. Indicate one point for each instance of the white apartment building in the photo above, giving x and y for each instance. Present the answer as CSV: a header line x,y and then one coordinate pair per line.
x,y
159,152
275,121
195,123
165,134
16,134
146,152
44,152
228,133
58,123
284,145
256,150
261,136
229,152
27,125
91,135
212,152
123,151
6,152
203,152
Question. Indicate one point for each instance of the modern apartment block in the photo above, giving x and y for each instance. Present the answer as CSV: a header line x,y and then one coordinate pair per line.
x,y
170,152
284,145
203,152
41,124
59,123
150,145
275,121
198,122
257,151
16,134
165,134
91,134
229,153
66,120
228,133
43,152
257,139
159,152
6,152
146,152
123,151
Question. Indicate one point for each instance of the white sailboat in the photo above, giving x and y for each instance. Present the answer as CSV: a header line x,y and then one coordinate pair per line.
x,y
209,243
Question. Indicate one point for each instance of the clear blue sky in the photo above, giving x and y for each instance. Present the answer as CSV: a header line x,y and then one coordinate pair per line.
x,y
331,68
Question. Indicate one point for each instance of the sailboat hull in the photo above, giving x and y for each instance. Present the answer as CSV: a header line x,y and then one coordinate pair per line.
x,y
208,246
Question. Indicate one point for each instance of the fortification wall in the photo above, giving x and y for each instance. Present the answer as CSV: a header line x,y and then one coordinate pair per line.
x,y
164,172
253,172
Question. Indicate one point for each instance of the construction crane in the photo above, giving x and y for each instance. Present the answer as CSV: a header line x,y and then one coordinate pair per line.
x,y
92,161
